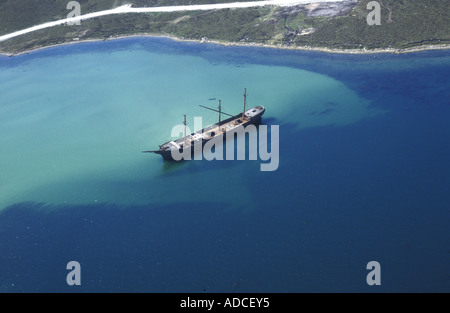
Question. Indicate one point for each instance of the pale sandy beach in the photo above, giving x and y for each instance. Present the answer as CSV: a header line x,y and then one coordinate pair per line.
x,y
207,41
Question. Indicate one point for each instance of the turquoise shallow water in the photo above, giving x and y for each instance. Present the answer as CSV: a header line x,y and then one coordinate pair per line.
x,y
364,170
74,119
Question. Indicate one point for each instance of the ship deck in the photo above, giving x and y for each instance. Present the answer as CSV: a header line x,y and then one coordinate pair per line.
x,y
209,133
214,130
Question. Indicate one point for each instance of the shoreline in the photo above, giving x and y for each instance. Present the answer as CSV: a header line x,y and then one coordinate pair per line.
x,y
249,44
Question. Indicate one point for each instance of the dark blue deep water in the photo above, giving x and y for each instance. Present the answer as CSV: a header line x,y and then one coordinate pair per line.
x,y
375,188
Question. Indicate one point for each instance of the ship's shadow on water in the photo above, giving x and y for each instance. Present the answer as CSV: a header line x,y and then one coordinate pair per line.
x,y
172,166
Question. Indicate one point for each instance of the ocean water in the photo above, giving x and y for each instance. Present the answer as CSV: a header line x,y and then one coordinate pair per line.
x,y
364,171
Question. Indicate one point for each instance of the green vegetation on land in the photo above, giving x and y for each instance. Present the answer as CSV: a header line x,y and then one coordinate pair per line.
x,y
404,24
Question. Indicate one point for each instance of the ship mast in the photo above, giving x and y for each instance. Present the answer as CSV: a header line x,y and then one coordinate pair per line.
x,y
245,98
220,110
184,126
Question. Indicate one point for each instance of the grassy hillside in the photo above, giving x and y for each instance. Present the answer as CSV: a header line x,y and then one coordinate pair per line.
x,y
405,24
